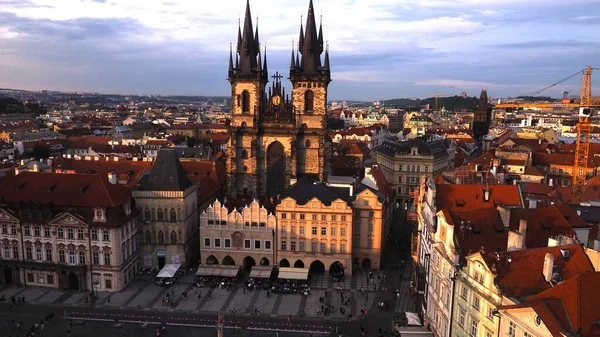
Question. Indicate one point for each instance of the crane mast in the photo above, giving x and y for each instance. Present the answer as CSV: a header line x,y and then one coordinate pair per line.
x,y
584,129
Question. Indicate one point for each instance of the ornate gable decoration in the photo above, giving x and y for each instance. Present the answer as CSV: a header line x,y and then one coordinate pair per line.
x,y
69,219
7,216
99,215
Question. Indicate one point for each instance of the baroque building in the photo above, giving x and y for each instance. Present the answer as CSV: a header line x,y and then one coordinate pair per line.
x,y
276,138
67,231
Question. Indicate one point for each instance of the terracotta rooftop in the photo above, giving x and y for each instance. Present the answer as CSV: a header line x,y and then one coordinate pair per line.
x,y
523,276
542,223
467,198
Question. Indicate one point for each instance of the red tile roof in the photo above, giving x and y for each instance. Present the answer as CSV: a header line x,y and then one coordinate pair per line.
x,y
571,216
542,223
523,276
383,185
578,296
466,198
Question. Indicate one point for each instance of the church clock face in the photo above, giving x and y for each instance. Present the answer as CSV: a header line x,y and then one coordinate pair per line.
x,y
276,100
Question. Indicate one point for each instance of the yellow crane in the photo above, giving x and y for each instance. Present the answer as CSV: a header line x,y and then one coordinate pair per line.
x,y
584,129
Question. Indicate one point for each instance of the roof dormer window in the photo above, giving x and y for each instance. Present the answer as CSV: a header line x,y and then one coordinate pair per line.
x,y
99,214
127,207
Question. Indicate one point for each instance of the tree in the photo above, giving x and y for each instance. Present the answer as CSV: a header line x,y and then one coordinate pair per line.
x,y
41,151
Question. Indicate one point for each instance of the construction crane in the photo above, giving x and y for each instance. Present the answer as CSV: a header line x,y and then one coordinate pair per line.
x,y
584,129
437,95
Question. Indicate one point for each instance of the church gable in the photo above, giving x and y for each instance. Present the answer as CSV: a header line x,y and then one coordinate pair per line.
x,y
68,219
7,215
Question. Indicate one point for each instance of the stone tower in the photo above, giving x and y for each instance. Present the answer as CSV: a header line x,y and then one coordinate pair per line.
x,y
482,117
275,138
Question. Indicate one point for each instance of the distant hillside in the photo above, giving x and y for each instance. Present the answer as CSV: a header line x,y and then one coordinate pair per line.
x,y
10,105
450,103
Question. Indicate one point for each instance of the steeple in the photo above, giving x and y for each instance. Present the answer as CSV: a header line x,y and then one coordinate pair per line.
x,y
249,48
265,64
326,65
239,43
256,39
311,56
293,61
321,35
230,71
301,36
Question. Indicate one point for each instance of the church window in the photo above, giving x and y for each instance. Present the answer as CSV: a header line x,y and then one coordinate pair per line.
x,y
245,101
173,215
309,98
244,154
147,214
173,238
159,215
161,238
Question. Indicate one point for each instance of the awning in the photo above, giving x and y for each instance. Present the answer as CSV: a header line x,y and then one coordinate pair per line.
x,y
168,270
293,273
261,272
216,270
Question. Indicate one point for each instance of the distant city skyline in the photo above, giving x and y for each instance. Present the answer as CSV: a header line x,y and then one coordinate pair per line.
x,y
379,49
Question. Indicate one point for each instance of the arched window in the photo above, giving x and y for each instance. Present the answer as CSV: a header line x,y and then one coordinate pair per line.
x,y
173,215
159,215
245,101
161,238
148,237
244,154
173,238
309,102
147,215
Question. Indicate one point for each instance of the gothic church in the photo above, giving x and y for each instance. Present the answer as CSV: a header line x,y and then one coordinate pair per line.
x,y
277,138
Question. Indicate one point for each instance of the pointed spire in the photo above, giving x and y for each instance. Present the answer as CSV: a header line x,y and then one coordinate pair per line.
x,y
265,64
249,48
230,59
256,39
301,37
326,65
320,38
297,59
259,63
293,62
311,55
237,61
239,43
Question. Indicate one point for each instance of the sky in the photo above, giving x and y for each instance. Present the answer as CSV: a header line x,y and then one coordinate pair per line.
x,y
379,49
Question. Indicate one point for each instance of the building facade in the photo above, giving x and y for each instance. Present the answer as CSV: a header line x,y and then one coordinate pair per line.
x,y
70,232
403,164
168,203
243,237
275,138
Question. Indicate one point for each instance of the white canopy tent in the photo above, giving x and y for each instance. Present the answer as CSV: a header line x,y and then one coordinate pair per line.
x,y
216,270
261,272
293,273
169,270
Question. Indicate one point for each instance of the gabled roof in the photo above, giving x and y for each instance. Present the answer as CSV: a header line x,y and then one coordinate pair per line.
x,y
466,198
304,191
542,223
167,174
523,277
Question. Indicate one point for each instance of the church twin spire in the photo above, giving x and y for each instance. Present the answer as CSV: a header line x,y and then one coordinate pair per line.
x,y
310,47
248,60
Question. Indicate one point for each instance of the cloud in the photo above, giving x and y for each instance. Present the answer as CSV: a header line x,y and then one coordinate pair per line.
x,y
181,47
453,83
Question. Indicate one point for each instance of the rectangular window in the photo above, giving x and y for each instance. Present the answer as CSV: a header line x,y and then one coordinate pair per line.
x,y
490,313
71,258
302,216
302,246
61,233
461,317
27,230
94,234
301,230
314,230
107,259
334,218
28,253
7,252
80,234
30,277
323,217
38,254
332,231
370,243
370,228
15,252
476,302
105,235
70,234
96,258
283,245
292,229
81,257
511,331
343,218
13,230
323,230
61,256
323,247
293,216
108,283
343,231
283,229
313,247
217,243
206,242
267,244
474,324
247,244
293,245
37,230
283,215
4,228
332,248
256,244
314,217
342,248
227,243
463,293
47,231
50,279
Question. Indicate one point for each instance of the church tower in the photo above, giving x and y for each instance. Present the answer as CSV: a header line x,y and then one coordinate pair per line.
x,y
276,138
310,77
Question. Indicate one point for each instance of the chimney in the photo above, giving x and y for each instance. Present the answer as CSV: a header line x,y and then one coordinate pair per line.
x,y
504,215
551,182
49,161
112,177
515,182
579,212
522,232
548,267
486,195
532,204
36,167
